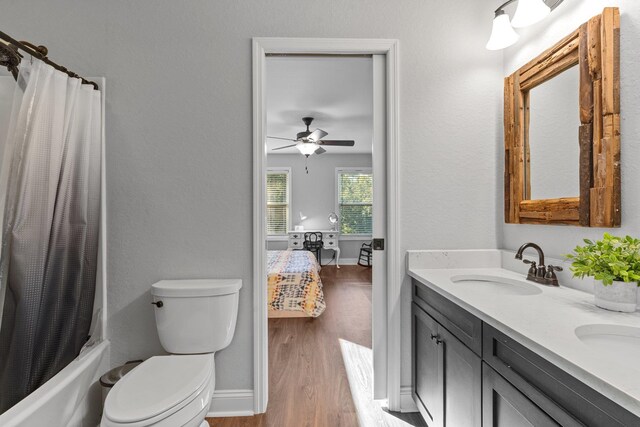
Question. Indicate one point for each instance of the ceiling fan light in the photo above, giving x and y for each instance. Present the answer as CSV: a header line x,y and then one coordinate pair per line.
x,y
530,12
502,34
307,148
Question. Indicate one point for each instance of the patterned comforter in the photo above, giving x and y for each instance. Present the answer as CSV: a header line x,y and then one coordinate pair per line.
x,y
294,282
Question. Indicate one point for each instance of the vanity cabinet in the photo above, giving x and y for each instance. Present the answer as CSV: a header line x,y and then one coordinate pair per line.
x,y
448,375
467,373
427,366
555,392
503,405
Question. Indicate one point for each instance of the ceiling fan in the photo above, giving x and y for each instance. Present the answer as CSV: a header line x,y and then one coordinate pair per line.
x,y
308,142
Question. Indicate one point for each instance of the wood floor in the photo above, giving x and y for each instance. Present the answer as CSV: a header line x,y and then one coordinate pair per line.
x,y
308,384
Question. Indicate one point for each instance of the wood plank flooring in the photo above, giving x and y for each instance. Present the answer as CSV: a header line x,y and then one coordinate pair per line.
x,y
308,385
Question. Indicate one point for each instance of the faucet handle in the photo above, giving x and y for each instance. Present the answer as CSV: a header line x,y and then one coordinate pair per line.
x,y
550,276
551,269
533,269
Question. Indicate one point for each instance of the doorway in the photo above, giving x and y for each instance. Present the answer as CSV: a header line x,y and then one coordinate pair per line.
x,y
386,278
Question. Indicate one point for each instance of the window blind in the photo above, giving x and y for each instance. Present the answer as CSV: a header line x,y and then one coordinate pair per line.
x,y
277,203
355,202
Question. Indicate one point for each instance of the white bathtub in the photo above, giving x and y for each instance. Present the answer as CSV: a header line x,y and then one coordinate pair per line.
x,y
71,398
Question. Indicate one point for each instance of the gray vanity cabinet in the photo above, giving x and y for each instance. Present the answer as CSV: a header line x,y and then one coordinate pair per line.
x,y
462,383
448,376
467,373
427,367
504,405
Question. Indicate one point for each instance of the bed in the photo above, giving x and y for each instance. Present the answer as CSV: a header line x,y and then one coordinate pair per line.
x,y
294,285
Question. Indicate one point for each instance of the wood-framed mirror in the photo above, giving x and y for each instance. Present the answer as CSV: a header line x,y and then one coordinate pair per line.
x,y
555,173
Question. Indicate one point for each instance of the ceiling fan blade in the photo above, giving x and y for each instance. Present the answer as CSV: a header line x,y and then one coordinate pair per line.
x,y
284,139
317,135
343,143
320,150
286,146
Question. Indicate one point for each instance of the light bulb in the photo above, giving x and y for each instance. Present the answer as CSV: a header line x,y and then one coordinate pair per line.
x,y
502,34
529,12
307,148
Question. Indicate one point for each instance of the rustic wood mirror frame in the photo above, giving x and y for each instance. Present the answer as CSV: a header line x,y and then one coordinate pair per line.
x,y
595,48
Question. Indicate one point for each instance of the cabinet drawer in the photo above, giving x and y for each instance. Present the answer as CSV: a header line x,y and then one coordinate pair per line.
x,y
333,236
330,243
295,243
462,324
564,398
294,236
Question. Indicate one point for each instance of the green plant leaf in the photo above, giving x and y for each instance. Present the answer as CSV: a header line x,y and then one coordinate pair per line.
x,y
609,259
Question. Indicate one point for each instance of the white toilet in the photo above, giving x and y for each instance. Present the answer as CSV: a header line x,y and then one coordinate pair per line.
x,y
194,318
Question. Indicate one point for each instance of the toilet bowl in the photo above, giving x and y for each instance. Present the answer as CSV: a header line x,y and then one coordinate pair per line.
x,y
194,318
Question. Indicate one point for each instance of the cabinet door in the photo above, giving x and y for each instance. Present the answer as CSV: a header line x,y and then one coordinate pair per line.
x,y
504,406
462,383
427,367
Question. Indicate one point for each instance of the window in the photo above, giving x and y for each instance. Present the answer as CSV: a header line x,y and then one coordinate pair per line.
x,y
278,195
355,198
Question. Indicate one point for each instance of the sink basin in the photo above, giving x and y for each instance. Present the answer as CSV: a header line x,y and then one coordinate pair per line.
x,y
621,343
496,285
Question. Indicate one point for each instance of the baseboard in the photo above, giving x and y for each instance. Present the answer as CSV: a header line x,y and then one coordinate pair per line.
x,y
406,400
231,403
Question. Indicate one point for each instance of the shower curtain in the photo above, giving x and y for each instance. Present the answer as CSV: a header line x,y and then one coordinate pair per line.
x,y
50,207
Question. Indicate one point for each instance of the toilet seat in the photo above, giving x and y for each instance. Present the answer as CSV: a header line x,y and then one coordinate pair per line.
x,y
159,388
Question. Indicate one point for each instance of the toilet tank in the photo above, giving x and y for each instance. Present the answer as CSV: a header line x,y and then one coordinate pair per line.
x,y
196,316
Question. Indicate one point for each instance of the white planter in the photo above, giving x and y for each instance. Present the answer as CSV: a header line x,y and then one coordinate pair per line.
x,y
620,296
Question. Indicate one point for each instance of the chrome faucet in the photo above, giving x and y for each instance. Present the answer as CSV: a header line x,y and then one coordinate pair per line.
x,y
539,273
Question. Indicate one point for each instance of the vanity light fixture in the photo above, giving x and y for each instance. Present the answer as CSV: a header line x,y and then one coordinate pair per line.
x,y
528,12
502,34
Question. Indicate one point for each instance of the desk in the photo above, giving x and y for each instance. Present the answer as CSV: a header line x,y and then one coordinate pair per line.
x,y
330,240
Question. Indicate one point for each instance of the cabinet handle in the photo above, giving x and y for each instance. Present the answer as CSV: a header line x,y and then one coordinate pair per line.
x,y
434,336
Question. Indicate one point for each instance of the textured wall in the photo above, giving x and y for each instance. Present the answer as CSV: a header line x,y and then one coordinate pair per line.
x,y
315,193
179,134
558,240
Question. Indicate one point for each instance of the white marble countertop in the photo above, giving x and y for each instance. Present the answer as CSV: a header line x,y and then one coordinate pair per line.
x,y
544,323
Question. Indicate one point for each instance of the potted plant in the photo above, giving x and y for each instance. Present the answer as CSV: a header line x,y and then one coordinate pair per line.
x,y
614,263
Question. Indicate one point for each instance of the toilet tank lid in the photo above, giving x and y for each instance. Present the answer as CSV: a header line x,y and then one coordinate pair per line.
x,y
195,288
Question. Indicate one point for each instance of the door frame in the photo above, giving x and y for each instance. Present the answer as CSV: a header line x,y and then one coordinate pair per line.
x,y
262,46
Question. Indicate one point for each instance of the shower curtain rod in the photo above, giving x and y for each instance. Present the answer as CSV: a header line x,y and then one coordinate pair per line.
x,y
40,52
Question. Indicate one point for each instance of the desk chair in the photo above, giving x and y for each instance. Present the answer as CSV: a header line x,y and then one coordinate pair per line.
x,y
313,243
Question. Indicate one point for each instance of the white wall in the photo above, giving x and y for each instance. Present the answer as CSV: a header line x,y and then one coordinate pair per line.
x,y
179,135
559,240
315,193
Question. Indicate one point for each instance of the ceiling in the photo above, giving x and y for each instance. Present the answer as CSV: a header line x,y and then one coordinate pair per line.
x,y
336,91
